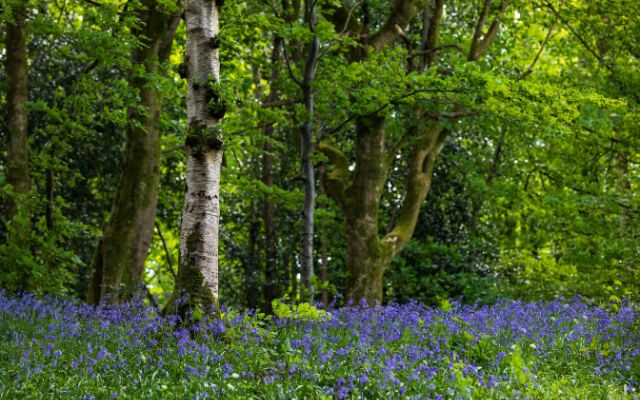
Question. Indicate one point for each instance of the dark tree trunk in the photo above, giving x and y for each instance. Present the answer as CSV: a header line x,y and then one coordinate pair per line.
x,y
269,208
366,254
17,74
251,265
119,263
290,266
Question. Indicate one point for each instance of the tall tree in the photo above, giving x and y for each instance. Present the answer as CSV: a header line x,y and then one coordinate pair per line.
x,y
269,207
359,193
17,75
119,259
198,270
306,148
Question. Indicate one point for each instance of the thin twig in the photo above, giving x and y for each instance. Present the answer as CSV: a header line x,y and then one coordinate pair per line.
x,y
279,103
95,3
382,107
437,48
166,250
535,60
342,32
623,88
288,64
172,149
150,297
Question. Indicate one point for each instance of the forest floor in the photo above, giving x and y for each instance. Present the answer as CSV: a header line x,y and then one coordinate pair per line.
x,y
563,349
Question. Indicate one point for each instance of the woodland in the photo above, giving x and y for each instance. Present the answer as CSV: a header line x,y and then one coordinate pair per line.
x,y
319,199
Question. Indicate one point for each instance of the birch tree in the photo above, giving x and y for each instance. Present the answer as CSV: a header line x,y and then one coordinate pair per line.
x,y
198,270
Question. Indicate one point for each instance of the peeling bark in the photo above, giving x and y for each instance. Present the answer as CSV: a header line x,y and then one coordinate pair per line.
x,y
118,264
198,270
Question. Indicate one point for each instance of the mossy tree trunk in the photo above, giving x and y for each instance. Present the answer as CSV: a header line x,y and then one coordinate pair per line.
x,y
118,264
17,74
197,276
369,254
358,194
366,256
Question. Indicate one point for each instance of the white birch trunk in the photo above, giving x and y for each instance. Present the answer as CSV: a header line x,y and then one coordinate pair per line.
x,y
198,271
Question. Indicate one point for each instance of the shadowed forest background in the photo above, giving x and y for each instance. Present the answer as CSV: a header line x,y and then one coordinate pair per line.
x,y
450,149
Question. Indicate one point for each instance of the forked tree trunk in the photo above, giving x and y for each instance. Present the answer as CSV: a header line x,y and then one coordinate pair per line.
x,y
17,73
198,271
358,194
118,264
369,255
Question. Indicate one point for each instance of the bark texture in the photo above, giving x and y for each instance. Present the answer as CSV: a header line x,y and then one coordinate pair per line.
x,y
308,173
198,271
118,264
17,73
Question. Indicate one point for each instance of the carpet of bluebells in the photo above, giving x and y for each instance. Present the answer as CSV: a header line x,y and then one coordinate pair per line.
x,y
564,349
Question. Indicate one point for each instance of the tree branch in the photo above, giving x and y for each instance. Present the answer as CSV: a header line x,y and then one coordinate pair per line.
x,y
417,183
403,11
338,177
621,86
288,64
393,101
166,250
560,181
343,32
93,3
535,60
172,149
484,13
341,17
429,43
479,46
436,49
